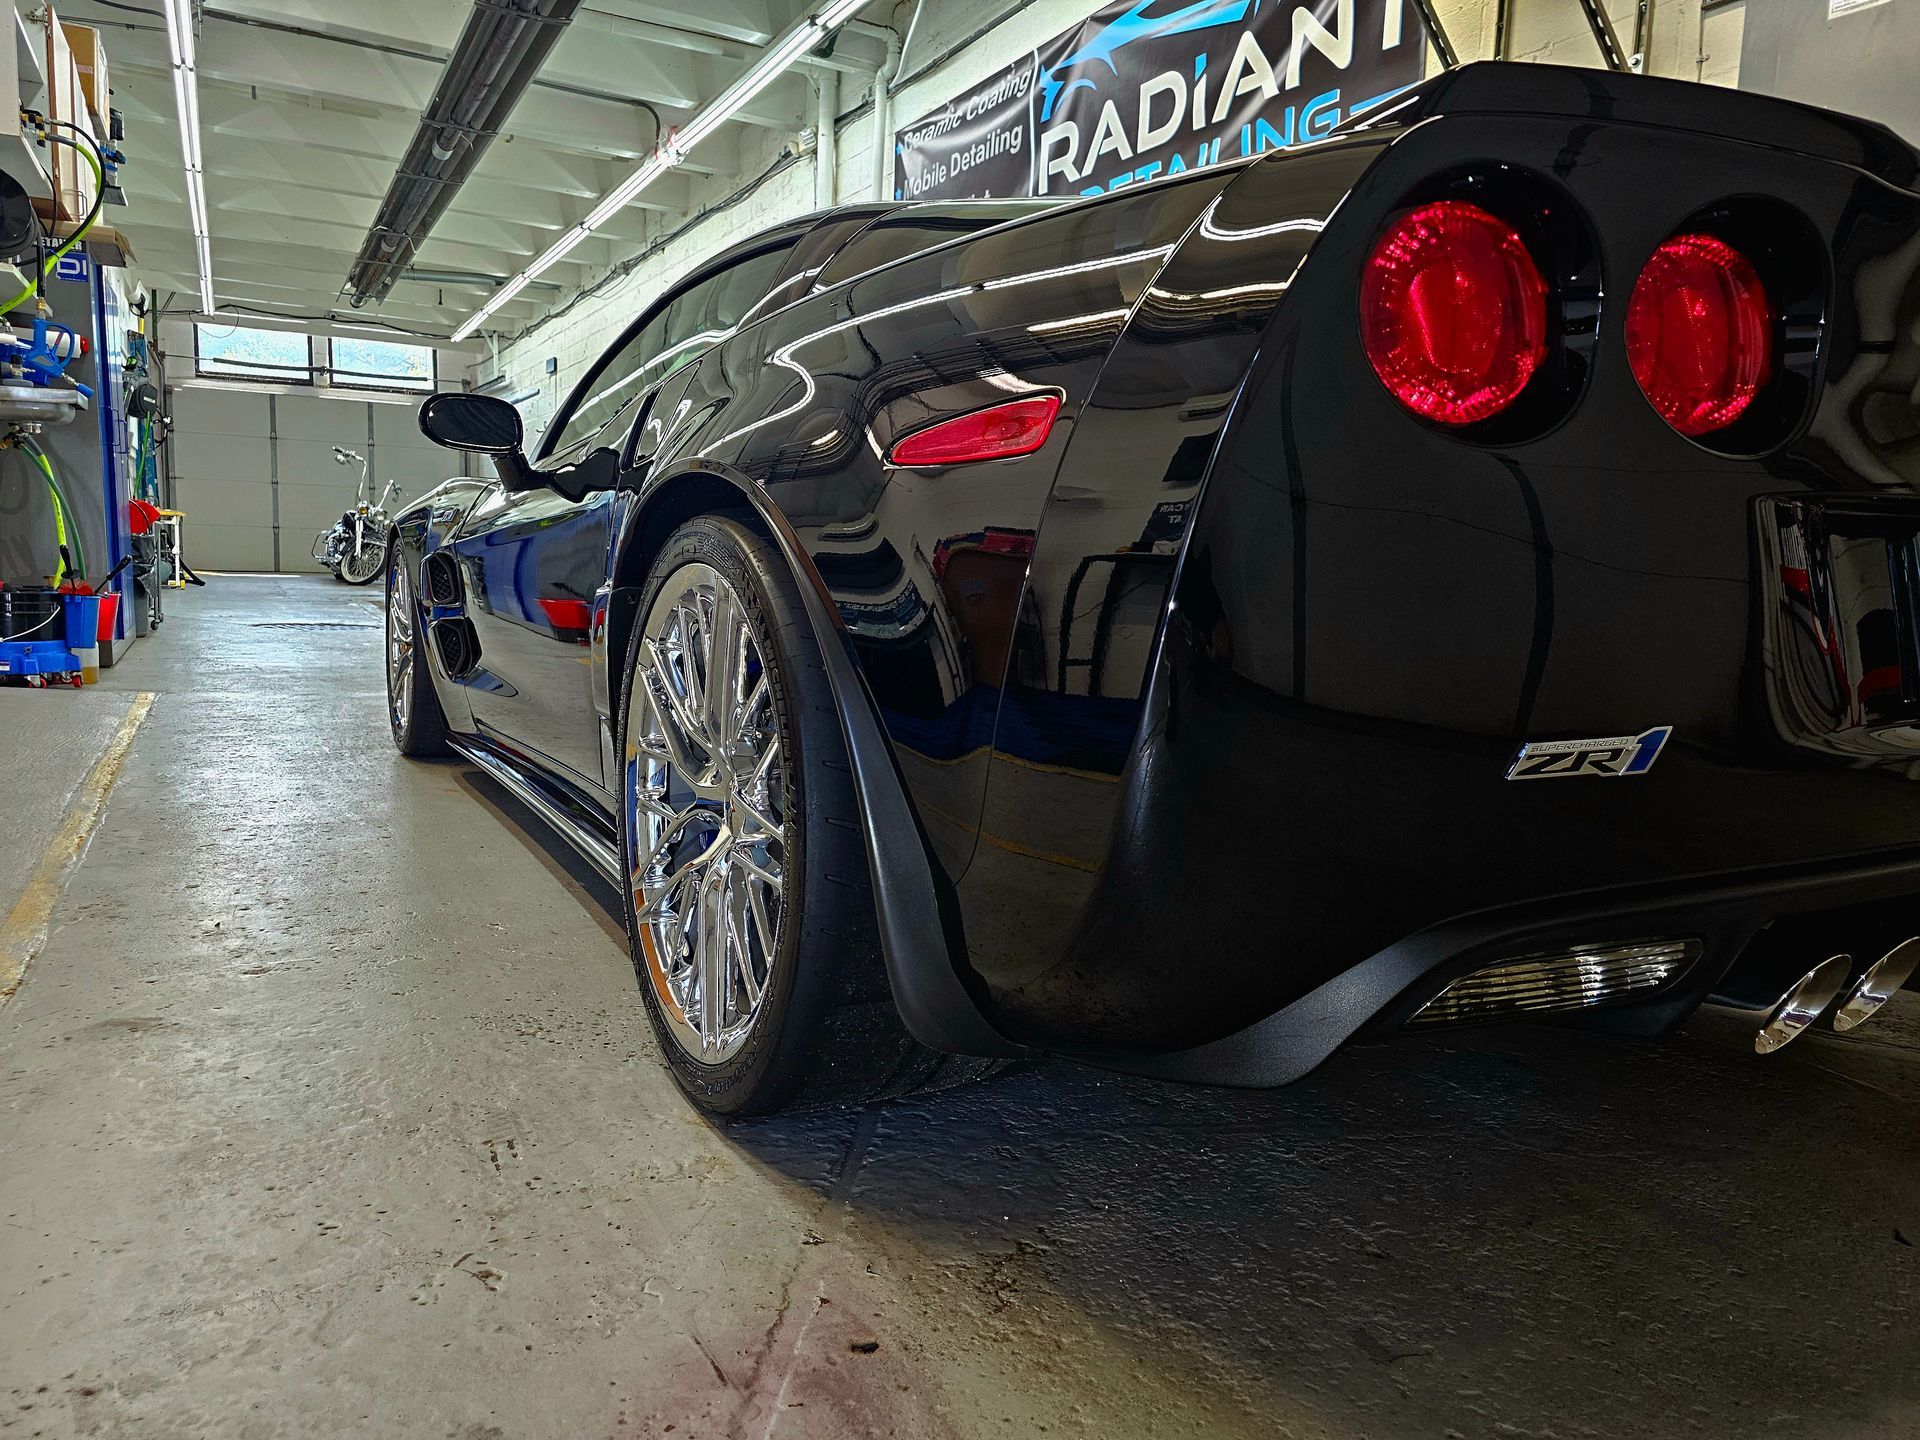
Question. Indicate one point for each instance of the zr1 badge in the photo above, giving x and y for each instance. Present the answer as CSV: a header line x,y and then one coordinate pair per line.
x,y
1597,759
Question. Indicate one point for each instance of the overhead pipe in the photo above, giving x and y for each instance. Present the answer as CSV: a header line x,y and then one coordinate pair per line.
x,y
883,79
471,279
501,49
826,159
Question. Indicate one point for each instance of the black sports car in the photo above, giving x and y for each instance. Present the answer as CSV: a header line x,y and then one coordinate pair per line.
x,y
1466,568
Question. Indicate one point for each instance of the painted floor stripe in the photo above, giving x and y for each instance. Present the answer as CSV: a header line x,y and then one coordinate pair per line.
x,y
23,934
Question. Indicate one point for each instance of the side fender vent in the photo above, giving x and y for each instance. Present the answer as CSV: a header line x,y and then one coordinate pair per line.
x,y
458,645
441,580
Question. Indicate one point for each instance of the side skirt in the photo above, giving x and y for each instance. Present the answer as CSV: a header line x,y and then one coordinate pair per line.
x,y
570,817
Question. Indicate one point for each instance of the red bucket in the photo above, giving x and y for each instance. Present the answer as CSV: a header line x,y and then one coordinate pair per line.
x,y
109,611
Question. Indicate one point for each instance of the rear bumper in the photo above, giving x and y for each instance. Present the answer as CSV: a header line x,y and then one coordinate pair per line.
x,y
1846,906
1282,877
1313,829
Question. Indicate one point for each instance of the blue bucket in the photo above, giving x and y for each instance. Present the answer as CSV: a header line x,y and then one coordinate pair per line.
x,y
82,619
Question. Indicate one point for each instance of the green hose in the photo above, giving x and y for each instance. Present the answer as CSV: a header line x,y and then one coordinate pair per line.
x,y
61,507
147,492
100,183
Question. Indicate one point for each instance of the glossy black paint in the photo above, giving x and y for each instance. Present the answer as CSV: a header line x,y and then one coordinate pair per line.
x,y
804,405
1182,741
533,560
485,424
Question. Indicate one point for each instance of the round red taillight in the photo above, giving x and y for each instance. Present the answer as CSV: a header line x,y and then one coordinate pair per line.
x,y
1699,333
1453,312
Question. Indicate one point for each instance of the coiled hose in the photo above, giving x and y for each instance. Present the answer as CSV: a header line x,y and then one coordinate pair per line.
x,y
90,153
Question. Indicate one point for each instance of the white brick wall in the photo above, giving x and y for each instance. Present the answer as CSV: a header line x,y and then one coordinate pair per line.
x,y
1541,30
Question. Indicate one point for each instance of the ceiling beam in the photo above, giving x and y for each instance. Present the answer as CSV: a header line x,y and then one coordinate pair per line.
x,y
440,252
753,22
303,65
308,126
659,73
282,165
253,294
320,291
240,195
539,188
415,25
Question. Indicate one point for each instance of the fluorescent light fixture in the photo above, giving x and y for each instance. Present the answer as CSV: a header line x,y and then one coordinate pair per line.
x,y
617,198
186,107
730,101
779,57
180,32
208,304
190,135
196,207
507,291
186,111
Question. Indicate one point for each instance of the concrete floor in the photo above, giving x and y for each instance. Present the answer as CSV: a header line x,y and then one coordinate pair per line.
x,y
329,1109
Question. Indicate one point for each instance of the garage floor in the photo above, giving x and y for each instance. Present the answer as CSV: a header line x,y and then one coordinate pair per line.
x,y
329,1109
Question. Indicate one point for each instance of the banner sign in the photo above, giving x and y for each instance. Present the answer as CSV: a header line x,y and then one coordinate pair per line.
x,y
1153,87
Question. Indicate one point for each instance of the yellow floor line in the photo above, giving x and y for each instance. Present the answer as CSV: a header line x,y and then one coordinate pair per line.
x,y
24,932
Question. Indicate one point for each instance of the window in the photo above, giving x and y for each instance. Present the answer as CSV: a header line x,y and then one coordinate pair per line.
x,y
694,321
382,365
285,357
239,352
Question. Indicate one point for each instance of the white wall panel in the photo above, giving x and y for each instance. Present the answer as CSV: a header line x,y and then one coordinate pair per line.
x,y
399,425
224,502
212,546
322,418
233,448
219,412
214,456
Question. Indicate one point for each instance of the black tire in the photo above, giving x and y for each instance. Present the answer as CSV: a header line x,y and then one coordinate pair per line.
x,y
374,568
419,726
826,1032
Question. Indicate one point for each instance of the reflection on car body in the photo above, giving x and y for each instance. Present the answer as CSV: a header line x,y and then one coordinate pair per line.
x,y
1181,741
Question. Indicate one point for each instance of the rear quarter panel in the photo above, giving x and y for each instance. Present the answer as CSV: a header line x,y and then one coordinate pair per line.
x,y
804,405
1054,842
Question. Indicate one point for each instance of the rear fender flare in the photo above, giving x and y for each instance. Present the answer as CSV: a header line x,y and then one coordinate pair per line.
x,y
919,925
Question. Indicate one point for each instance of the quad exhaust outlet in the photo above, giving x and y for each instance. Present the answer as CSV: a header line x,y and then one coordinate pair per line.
x,y
1806,1001
1877,984
1770,988
1773,997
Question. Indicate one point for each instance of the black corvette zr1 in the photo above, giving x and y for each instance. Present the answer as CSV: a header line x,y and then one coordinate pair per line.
x,y
1467,568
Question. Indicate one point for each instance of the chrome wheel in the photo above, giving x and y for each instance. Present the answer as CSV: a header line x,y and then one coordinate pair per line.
x,y
399,648
706,812
359,564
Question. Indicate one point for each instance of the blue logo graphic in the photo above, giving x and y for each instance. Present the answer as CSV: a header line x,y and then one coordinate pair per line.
x,y
1130,29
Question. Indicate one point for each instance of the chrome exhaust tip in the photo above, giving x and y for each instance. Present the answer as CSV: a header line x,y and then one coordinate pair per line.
x,y
1877,985
1805,1002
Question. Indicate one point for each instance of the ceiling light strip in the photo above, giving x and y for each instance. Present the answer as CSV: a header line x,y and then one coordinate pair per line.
x,y
780,56
186,105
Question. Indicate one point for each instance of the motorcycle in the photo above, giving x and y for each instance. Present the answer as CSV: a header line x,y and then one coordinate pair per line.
x,y
355,549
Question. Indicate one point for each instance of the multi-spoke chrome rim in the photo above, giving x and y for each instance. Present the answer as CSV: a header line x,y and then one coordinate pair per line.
x,y
707,818
363,561
399,647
